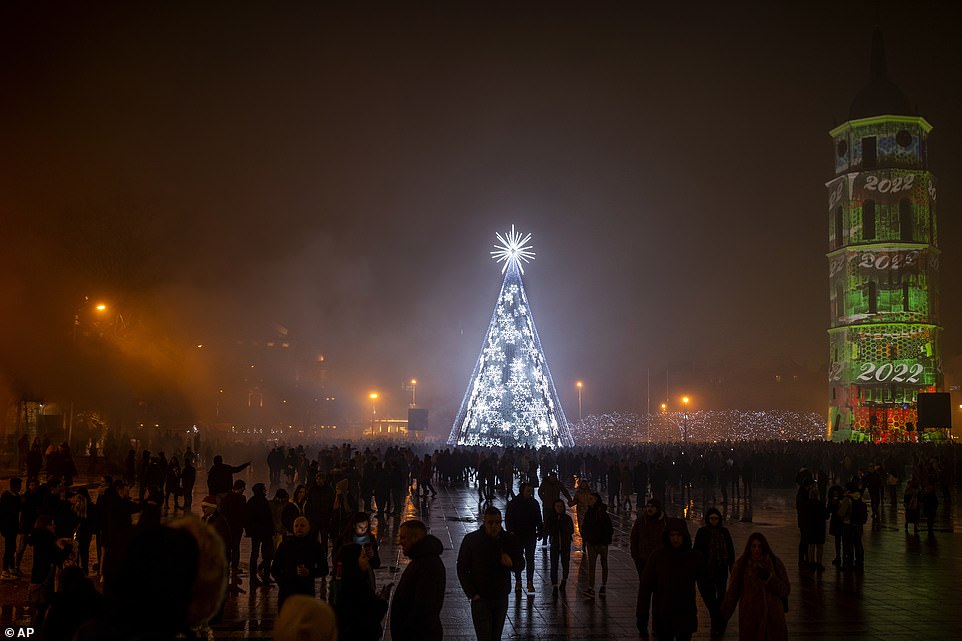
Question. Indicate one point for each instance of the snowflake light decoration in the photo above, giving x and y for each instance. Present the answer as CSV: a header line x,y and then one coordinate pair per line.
x,y
513,250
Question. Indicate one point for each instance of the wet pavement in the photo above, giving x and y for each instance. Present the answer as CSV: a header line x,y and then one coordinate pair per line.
x,y
909,589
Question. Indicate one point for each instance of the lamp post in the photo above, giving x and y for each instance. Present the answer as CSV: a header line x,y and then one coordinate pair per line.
x,y
684,429
373,397
414,391
100,309
579,385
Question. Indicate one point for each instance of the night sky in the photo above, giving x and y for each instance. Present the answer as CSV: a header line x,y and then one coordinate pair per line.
x,y
219,170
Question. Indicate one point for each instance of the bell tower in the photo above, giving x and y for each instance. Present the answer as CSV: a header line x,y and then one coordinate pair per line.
x,y
883,265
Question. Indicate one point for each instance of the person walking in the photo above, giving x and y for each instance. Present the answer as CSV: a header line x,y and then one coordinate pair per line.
x,y
913,505
485,563
359,610
11,508
259,526
646,537
598,533
854,514
713,543
561,530
760,587
188,476
419,596
813,528
670,576
234,508
550,491
580,503
297,563
523,519
835,494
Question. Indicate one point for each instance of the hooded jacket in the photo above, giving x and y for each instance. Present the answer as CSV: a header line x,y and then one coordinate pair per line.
x,y
646,534
416,608
703,539
759,596
670,575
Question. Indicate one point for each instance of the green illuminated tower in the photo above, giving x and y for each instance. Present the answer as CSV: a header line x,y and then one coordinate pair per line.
x,y
883,264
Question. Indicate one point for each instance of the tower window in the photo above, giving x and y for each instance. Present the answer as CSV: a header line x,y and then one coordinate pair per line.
x,y
905,297
903,138
842,148
905,220
838,228
869,152
872,297
868,220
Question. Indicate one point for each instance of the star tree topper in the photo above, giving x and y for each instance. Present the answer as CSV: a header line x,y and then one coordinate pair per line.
x,y
513,249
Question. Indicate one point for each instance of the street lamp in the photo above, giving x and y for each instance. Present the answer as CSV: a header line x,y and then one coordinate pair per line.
x,y
579,385
684,432
373,397
100,308
414,391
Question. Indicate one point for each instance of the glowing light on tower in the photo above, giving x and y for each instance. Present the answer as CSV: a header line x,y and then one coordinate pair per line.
x,y
511,399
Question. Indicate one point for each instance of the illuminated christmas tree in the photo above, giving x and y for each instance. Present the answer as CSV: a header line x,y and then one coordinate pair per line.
x,y
511,399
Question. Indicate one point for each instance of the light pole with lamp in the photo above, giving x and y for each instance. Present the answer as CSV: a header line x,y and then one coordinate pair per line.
x,y
100,308
579,385
373,397
414,392
684,429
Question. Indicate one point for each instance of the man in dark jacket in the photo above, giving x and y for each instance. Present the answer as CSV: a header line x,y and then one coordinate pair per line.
x,y
486,560
713,543
11,506
646,536
416,609
234,508
523,519
220,477
318,510
188,476
297,563
259,526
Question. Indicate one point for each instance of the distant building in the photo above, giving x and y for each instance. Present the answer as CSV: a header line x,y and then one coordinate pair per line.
x,y
884,337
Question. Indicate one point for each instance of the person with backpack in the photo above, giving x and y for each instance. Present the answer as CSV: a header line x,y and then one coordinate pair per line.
x,y
854,514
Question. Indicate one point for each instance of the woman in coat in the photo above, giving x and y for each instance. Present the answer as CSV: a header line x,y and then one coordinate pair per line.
x,y
759,586
835,494
359,610
913,504
814,514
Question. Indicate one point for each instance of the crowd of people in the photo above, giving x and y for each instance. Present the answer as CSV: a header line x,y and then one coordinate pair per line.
x,y
313,537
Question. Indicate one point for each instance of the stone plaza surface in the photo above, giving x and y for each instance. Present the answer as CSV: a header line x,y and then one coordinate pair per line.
x,y
909,589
